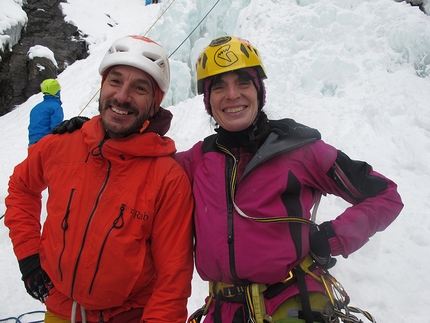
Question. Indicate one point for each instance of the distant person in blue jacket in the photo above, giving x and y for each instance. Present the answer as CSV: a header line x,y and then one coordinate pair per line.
x,y
47,114
147,2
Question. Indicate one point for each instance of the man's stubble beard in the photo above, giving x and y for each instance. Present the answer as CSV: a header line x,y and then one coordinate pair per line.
x,y
117,132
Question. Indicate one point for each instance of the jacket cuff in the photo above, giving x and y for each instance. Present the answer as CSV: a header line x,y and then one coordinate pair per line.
x,y
336,247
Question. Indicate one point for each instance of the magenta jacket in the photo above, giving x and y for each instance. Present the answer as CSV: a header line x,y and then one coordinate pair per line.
x,y
283,179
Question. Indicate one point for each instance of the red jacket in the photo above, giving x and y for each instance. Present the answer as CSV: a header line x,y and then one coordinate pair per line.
x,y
118,231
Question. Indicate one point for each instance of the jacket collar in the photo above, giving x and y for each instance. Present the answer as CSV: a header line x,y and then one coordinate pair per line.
x,y
148,144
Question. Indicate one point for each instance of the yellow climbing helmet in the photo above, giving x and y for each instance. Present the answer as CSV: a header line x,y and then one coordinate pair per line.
x,y
50,87
226,54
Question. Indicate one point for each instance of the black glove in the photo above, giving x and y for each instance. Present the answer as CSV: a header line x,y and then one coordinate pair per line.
x,y
69,125
36,281
320,247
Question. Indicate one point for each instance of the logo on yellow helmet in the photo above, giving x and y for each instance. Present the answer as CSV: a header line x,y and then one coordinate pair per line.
x,y
225,57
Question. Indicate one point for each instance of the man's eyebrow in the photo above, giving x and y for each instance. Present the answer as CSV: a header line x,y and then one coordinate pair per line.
x,y
116,73
144,81
139,80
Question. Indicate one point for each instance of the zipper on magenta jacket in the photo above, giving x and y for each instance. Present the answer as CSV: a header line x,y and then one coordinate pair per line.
x,y
103,187
64,227
230,226
118,223
231,165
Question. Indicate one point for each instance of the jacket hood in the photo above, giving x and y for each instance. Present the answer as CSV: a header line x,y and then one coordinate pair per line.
x,y
147,144
52,98
160,122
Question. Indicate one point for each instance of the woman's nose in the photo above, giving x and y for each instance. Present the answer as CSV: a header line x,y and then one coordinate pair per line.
x,y
232,92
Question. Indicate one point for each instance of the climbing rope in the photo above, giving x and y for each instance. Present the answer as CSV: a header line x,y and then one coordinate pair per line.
x,y
18,319
86,105
195,28
159,17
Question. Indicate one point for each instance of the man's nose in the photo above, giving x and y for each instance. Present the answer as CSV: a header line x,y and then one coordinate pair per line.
x,y
123,94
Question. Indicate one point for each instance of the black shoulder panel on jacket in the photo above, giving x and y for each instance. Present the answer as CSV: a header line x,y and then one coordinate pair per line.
x,y
353,177
290,128
209,143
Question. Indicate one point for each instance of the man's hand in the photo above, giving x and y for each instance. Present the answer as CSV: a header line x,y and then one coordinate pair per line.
x,y
36,281
69,125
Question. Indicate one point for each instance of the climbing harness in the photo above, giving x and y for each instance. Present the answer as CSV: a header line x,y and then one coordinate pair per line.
x,y
252,296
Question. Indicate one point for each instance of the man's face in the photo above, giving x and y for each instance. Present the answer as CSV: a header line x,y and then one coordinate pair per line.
x,y
126,100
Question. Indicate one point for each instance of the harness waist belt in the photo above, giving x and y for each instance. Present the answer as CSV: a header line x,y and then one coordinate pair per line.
x,y
236,293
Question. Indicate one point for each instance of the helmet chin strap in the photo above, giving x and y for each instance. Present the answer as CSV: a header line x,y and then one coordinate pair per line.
x,y
251,129
151,112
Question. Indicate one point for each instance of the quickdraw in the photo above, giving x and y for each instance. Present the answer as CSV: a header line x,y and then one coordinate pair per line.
x,y
339,301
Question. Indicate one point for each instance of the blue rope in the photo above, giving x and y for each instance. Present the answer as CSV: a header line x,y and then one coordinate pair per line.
x,y
194,28
18,319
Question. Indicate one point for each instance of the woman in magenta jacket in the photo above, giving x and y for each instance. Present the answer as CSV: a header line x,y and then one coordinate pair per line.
x,y
255,182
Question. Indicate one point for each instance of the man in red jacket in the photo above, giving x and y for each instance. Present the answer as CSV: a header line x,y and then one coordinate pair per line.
x,y
116,245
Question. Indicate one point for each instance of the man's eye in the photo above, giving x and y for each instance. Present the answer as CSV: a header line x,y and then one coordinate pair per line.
x,y
142,89
115,81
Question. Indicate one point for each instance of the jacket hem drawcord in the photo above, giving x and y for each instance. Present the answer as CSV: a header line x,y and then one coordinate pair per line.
x,y
73,314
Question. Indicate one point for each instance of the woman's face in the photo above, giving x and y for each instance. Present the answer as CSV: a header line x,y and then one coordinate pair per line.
x,y
234,101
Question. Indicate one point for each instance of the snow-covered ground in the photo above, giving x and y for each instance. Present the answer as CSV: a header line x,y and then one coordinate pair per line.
x,y
357,70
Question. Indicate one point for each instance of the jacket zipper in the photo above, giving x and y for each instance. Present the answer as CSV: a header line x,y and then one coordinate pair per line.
x,y
103,187
64,227
116,224
231,172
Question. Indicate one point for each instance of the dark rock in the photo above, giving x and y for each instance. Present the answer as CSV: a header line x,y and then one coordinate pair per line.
x,y
20,76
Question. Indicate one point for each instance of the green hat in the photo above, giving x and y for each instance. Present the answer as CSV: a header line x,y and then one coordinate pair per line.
x,y
50,87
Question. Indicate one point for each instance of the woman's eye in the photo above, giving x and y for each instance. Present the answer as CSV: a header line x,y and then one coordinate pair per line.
x,y
245,82
217,86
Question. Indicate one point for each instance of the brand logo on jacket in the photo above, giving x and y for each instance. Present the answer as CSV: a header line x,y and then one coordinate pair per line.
x,y
139,215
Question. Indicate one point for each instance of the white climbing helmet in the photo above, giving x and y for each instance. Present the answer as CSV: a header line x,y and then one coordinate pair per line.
x,y
142,53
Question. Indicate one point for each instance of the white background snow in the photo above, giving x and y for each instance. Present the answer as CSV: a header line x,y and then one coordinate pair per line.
x,y
357,70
